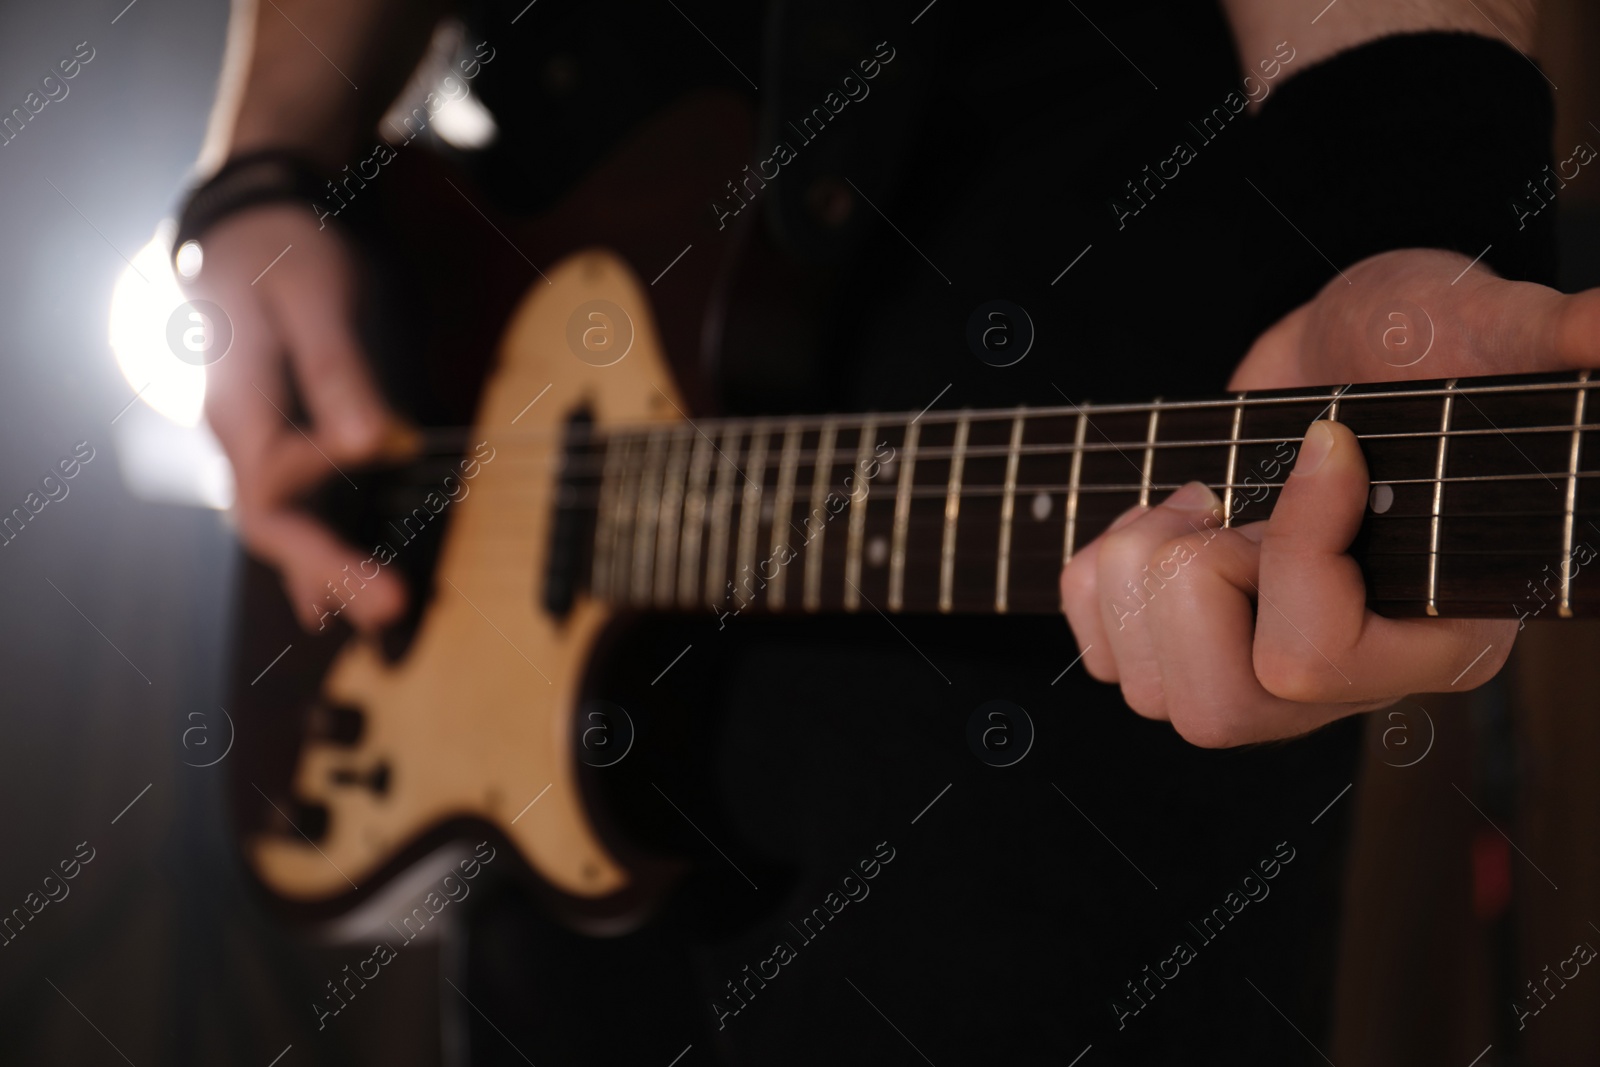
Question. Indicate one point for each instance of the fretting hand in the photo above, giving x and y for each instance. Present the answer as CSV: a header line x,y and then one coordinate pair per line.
x,y
1264,632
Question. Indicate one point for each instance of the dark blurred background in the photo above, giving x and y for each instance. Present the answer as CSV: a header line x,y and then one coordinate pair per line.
x,y
117,600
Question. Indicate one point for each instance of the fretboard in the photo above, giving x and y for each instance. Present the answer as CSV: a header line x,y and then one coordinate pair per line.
x,y
1483,502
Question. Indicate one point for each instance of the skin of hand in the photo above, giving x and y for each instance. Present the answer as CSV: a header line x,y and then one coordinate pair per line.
x,y
1263,632
294,325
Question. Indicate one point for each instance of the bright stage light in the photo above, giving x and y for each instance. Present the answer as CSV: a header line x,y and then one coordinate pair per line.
x,y
164,448
142,303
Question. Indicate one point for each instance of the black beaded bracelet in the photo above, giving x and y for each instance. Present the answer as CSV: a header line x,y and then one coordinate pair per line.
x,y
267,176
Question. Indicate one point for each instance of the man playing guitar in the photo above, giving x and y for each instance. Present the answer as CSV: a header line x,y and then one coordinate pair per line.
x,y
1264,631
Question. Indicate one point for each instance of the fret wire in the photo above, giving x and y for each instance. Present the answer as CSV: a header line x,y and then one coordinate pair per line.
x,y
750,505
1072,488
858,518
902,518
670,521
1571,509
1149,455
1432,607
1333,405
647,514
819,495
952,510
718,531
783,506
1002,571
1233,461
694,517
600,575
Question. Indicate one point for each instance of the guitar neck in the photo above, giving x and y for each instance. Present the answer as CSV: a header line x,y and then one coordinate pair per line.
x,y
1483,501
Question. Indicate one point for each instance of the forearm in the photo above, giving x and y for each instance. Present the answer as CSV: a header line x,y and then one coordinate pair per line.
x,y
313,76
1258,25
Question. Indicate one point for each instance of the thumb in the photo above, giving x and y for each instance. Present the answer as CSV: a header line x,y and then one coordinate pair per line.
x,y
1493,325
1573,340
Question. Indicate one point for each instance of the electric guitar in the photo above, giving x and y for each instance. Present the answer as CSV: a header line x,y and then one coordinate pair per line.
x,y
585,492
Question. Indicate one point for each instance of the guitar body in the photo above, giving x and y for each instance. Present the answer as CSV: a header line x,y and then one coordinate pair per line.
x,y
467,731
476,720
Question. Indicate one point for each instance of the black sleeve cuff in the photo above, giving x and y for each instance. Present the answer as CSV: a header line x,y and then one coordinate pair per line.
x,y
1427,140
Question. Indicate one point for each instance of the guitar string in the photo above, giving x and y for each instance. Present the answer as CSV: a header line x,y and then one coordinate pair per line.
x,y
580,499
1054,448
578,434
681,433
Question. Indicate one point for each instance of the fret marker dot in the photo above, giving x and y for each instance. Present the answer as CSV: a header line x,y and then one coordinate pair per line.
x,y
1382,499
1041,506
886,468
878,551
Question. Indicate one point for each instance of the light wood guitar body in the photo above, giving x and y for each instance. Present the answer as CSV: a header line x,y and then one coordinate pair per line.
x,y
476,720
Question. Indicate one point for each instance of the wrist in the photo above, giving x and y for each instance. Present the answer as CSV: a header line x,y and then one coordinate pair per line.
x,y
250,179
